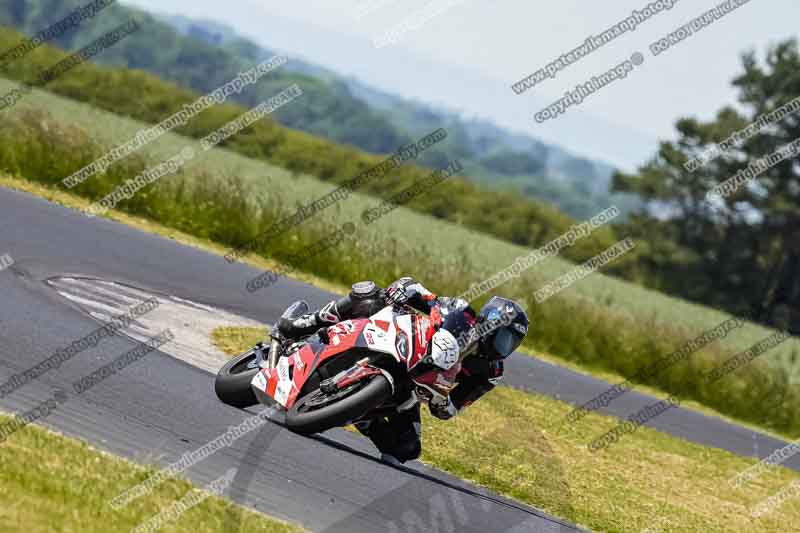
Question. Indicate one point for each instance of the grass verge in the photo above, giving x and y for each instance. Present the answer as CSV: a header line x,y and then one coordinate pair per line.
x,y
231,339
516,444
48,479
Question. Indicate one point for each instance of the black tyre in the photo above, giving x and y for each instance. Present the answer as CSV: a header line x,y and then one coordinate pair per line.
x,y
233,380
317,412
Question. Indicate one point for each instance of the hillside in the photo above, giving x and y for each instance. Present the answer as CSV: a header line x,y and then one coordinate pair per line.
x,y
491,155
145,97
203,56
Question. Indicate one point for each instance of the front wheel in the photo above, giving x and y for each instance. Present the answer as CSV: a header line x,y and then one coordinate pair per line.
x,y
317,411
233,380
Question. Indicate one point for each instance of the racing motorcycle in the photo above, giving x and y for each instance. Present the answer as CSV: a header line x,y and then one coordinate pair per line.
x,y
355,370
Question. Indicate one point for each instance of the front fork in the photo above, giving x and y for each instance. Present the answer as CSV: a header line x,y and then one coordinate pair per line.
x,y
274,354
272,358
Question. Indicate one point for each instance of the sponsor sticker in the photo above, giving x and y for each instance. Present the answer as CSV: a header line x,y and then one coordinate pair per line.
x,y
260,381
283,370
401,344
282,392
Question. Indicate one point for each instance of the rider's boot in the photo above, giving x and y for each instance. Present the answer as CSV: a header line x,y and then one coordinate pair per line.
x,y
391,460
361,301
397,437
296,328
364,428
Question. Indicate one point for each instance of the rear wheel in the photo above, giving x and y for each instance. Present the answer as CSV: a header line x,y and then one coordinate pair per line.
x,y
233,380
317,411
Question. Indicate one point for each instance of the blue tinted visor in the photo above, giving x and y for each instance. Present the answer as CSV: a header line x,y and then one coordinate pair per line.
x,y
504,342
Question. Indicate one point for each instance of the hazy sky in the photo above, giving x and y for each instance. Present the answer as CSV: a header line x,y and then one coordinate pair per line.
x,y
468,55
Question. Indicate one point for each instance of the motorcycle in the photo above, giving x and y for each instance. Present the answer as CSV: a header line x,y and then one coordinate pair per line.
x,y
356,370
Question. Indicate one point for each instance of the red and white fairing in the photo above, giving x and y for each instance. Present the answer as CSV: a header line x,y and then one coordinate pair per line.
x,y
404,336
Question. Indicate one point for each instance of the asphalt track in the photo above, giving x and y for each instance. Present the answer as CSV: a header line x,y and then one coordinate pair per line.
x,y
160,407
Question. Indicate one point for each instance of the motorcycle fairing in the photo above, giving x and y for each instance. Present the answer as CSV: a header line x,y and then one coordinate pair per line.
x,y
284,382
403,337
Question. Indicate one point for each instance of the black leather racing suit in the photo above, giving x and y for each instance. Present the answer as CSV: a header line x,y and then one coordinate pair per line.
x,y
399,434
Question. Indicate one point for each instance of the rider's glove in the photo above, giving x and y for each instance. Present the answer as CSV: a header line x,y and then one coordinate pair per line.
x,y
442,408
404,289
397,292
423,394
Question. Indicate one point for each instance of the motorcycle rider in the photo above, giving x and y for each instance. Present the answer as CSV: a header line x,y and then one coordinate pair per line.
x,y
485,339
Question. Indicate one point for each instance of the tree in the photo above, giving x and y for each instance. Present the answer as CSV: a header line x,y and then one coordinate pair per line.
x,y
781,305
731,242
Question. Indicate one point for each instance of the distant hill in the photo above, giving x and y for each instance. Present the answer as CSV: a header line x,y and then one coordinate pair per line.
x,y
493,156
203,55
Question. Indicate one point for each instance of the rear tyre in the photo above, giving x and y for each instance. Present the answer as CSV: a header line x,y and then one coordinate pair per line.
x,y
233,380
310,414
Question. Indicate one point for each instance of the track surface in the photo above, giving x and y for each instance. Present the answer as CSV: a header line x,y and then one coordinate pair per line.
x,y
162,407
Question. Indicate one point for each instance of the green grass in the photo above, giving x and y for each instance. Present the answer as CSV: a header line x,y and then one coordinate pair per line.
x,y
49,482
600,322
231,339
516,444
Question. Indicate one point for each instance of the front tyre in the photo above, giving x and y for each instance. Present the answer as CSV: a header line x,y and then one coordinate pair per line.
x,y
233,380
317,412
